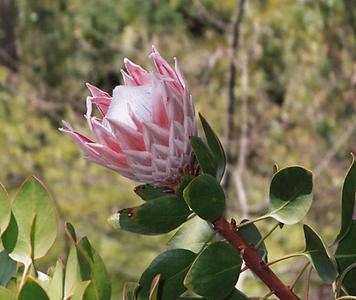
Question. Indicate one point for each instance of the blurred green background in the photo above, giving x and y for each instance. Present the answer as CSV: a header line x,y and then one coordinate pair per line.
x,y
295,104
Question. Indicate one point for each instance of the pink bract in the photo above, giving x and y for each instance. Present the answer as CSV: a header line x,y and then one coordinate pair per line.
x,y
145,126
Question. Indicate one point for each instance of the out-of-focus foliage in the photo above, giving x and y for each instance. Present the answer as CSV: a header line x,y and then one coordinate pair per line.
x,y
301,101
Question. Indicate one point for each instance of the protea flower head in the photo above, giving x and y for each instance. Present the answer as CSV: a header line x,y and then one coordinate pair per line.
x,y
145,126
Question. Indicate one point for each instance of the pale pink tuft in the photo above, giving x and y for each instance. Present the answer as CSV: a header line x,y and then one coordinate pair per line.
x,y
145,126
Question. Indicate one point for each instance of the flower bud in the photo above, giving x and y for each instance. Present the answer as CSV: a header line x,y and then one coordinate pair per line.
x,y
145,126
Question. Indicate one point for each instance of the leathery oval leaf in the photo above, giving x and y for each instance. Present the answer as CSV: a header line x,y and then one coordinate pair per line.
x,y
216,148
7,268
172,266
5,210
55,287
347,200
129,290
204,156
34,222
93,268
184,181
193,235
345,256
205,197
70,232
215,271
157,216
236,295
72,274
81,291
148,192
291,194
252,236
318,255
85,275
32,290
153,293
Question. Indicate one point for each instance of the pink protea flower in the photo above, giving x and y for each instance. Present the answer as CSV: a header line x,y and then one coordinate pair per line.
x,y
145,127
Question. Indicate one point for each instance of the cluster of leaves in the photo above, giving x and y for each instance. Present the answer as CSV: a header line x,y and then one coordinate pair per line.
x,y
28,228
300,57
198,262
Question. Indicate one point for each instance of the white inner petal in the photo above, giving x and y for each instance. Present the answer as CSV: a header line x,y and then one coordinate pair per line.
x,y
139,98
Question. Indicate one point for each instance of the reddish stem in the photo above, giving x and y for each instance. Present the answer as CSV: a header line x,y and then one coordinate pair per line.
x,y
253,260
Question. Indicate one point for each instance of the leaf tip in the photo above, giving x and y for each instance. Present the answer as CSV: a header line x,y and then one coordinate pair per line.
x,y
114,220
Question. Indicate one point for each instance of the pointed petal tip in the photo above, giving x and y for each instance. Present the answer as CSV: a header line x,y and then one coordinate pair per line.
x,y
91,88
127,61
66,126
128,80
154,49
154,53
130,63
66,131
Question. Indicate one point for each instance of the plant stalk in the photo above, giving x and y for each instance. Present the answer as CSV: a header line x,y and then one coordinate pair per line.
x,y
253,260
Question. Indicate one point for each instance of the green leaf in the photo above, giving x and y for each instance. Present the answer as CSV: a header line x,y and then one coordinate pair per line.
x,y
153,294
70,231
204,156
84,264
347,200
6,294
7,268
205,197
252,236
5,210
236,295
55,286
32,290
215,271
129,291
182,185
290,194
157,216
173,266
216,148
191,298
345,255
193,235
148,192
93,269
72,274
318,255
80,292
34,220
9,237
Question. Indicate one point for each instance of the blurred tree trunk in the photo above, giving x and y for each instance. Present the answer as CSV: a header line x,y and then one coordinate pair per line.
x,y
8,51
233,38
350,9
